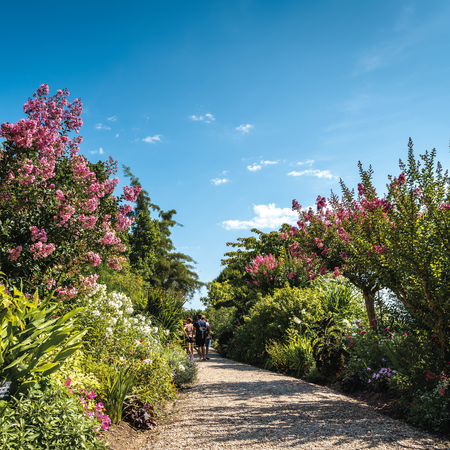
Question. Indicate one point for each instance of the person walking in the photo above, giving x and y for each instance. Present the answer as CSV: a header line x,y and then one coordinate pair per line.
x,y
200,336
189,333
208,338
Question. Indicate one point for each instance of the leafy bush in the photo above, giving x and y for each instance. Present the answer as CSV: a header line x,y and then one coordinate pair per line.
x,y
223,322
409,355
166,308
328,351
140,415
296,355
184,368
431,408
49,419
154,383
34,340
75,369
270,318
340,298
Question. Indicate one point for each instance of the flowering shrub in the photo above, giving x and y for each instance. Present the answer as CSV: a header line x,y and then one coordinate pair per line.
x,y
116,331
58,214
121,341
378,380
373,240
89,408
268,273
48,419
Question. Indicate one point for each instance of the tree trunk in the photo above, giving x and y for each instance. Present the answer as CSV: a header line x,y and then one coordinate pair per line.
x,y
369,300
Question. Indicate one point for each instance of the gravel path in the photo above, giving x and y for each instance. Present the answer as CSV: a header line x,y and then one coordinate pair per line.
x,y
235,406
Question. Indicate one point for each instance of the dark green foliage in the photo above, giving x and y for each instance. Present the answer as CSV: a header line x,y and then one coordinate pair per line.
x,y
166,308
327,347
152,252
222,322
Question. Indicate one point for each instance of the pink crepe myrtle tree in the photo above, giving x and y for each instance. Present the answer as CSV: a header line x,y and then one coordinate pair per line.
x,y
400,241
268,273
58,215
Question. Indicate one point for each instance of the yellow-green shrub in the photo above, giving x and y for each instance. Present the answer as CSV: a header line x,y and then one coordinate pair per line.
x,y
74,368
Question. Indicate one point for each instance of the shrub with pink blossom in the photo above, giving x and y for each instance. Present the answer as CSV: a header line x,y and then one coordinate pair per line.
x,y
57,210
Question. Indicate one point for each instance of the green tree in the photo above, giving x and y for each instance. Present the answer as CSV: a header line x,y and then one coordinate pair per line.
x,y
152,251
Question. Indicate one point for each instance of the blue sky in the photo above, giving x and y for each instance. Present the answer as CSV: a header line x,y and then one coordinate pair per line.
x,y
227,111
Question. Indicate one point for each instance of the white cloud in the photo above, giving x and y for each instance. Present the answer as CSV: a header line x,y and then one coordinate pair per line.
x,y
100,126
266,216
93,152
117,135
153,139
316,173
218,181
207,118
255,166
308,162
112,119
244,128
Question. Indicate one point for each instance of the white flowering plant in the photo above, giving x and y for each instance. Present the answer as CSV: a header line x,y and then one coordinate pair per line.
x,y
115,330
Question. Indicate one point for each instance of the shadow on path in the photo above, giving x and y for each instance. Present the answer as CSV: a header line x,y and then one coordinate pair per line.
x,y
269,407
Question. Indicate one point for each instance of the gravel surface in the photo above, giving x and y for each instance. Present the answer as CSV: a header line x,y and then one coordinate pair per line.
x,y
236,406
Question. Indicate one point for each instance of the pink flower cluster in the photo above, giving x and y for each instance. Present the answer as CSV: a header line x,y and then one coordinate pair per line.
x,y
93,258
378,249
131,193
115,262
87,222
66,293
89,282
68,208
93,411
14,253
263,263
110,238
41,250
38,235
122,221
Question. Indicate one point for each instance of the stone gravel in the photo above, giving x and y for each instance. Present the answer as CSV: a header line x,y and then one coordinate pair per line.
x,y
236,406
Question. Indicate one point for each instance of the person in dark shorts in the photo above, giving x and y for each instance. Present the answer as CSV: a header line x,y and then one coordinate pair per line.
x,y
189,332
208,337
200,336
